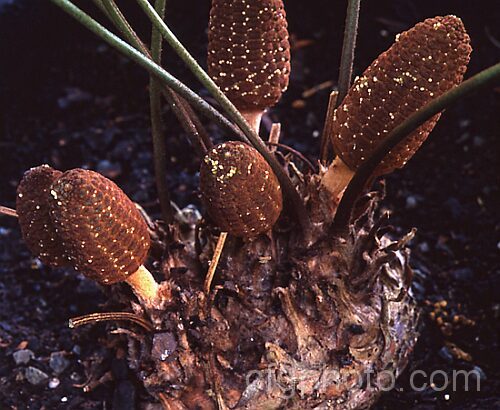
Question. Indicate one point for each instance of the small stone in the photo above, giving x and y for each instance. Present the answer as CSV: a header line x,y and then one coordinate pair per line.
x,y
478,141
35,376
479,372
58,362
73,96
463,274
54,382
446,355
411,202
109,169
423,247
164,345
23,356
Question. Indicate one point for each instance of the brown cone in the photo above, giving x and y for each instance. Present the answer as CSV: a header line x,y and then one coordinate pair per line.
x,y
104,234
249,52
34,219
422,64
239,189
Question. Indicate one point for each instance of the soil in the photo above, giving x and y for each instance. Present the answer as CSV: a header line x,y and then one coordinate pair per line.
x,y
70,101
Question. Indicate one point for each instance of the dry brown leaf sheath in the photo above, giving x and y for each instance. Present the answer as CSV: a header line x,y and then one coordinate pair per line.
x,y
422,64
34,219
239,189
249,51
103,232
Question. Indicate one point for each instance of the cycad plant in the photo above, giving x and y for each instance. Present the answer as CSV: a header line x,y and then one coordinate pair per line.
x,y
289,292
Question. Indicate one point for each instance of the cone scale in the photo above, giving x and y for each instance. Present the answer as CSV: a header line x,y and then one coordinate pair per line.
x,y
423,63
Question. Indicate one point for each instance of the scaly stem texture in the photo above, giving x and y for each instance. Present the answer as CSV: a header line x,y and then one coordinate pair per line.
x,y
234,114
485,78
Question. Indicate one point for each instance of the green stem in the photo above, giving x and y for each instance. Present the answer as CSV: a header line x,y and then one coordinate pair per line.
x,y
231,110
348,47
197,102
157,126
485,78
187,118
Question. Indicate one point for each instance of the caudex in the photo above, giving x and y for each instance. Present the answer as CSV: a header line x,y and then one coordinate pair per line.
x,y
315,304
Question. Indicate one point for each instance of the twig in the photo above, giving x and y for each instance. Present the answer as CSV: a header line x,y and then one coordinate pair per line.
x,y
274,136
327,128
110,316
317,88
348,47
294,152
484,79
157,126
8,211
197,102
288,188
214,262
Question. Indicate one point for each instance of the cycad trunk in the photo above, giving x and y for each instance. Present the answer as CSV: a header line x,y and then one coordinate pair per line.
x,y
288,324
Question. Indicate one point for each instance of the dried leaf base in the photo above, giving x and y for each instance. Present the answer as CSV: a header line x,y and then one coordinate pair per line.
x,y
284,327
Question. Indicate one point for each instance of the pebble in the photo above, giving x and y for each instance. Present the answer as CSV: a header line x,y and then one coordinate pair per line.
x,y
164,345
423,247
58,362
455,207
23,356
73,96
445,354
35,376
480,372
478,141
411,202
109,169
54,382
463,274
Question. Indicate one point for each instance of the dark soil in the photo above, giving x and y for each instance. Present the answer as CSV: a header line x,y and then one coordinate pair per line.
x,y
70,101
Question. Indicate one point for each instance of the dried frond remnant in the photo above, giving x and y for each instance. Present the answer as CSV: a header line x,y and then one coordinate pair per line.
x,y
240,190
423,63
249,51
104,234
34,218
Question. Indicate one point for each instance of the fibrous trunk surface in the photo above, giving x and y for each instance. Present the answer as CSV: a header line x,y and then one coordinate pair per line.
x,y
287,324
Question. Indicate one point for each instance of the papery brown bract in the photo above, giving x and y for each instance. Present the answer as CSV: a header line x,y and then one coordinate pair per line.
x,y
423,63
239,189
249,51
105,236
34,219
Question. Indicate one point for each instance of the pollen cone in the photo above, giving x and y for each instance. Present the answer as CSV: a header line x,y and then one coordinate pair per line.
x,y
423,63
105,235
239,189
34,219
249,52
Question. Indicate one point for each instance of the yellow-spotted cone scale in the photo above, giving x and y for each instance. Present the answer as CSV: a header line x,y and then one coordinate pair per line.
x,y
423,63
239,189
103,232
34,218
249,53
